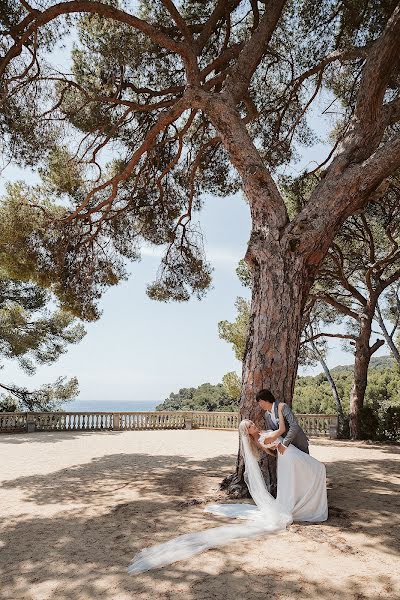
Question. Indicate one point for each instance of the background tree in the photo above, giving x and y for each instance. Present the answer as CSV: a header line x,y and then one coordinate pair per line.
x,y
185,91
363,262
381,409
317,351
232,384
31,333
37,247
48,397
391,313
205,397
236,332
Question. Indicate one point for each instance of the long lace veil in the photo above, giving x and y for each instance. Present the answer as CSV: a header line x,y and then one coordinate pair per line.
x,y
266,516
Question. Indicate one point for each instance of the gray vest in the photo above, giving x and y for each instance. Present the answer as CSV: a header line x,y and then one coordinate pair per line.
x,y
294,434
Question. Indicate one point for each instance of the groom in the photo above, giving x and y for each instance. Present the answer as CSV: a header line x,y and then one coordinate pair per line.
x,y
294,434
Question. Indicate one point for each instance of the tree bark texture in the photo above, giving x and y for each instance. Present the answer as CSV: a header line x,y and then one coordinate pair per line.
x,y
362,359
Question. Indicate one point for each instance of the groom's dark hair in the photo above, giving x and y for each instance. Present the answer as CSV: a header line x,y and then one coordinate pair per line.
x,y
266,395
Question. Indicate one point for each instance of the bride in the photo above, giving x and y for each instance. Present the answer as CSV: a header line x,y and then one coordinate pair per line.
x,y
301,496
301,478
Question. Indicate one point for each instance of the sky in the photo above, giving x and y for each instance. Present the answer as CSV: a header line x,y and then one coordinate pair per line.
x,y
143,350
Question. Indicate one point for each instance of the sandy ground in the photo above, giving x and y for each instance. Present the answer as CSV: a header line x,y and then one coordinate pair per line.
x,y
75,507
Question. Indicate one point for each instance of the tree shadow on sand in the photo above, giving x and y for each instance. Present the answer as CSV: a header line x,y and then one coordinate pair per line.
x,y
171,476
96,568
49,437
84,552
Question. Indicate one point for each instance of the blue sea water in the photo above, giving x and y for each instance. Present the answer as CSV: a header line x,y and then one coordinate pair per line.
x,y
110,406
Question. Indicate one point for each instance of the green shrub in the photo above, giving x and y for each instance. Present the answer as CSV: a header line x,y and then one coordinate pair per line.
x,y
369,423
390,424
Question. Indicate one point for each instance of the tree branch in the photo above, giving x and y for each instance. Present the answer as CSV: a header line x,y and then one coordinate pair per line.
x,y
223,8
368,121
339,194
259,187
382,59
165,118
391,111
342,308
238,80
376,346
180,22
343,336
34,21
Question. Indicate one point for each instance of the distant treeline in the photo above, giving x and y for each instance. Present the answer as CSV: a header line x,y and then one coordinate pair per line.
x,y
313,395
205,397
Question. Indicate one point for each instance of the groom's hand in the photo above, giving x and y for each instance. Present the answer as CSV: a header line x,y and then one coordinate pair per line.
x,y
281,448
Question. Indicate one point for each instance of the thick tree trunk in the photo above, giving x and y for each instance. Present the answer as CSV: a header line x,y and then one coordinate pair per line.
x,y
363,355
357,393
280,287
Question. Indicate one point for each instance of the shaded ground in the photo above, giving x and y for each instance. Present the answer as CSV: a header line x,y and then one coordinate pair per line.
x,y
75,507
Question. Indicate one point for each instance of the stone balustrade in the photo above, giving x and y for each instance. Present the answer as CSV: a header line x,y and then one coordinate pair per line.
x,y
313,425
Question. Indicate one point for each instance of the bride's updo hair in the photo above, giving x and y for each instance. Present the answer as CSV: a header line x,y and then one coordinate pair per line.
x,y
244,427
244,432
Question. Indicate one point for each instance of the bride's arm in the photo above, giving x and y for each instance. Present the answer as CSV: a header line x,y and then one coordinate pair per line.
x,y
264,448
282,426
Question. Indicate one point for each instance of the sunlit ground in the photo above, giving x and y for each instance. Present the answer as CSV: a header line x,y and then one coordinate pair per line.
x,y
75,507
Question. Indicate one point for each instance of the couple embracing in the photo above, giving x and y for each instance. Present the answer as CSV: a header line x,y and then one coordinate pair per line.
x,y
296,479
300,495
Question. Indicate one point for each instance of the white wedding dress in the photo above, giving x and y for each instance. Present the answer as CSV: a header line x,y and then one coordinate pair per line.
x,y
301,496
302,485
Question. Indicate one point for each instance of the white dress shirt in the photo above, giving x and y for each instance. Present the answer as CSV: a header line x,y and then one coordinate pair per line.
x,y
272,415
